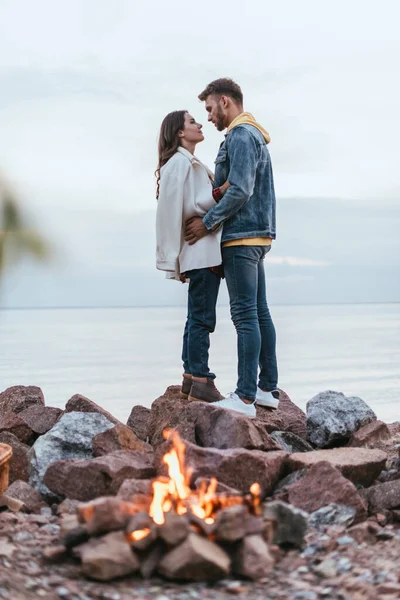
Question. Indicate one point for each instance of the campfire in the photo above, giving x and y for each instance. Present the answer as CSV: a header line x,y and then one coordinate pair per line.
x,y
177,531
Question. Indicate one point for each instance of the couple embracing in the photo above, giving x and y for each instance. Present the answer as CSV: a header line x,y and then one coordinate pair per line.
x,y
210,226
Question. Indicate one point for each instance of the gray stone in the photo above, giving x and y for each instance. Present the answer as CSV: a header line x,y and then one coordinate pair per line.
x,y
332,514
290,442
332,418
290,523
71,437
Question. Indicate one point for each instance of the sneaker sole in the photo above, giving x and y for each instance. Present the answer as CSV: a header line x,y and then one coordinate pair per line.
x,y
266,405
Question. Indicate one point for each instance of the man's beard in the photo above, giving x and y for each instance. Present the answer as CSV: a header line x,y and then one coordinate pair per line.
x,y
220,119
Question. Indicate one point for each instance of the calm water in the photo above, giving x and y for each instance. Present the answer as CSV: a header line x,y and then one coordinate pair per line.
x,y
123,357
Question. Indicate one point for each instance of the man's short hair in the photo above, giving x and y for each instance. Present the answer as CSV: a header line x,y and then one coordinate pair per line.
x,y
223,87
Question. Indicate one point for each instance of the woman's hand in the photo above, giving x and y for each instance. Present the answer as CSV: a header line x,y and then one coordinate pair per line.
x,y
224,187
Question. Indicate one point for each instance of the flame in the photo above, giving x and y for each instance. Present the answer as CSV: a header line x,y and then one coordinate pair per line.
x,y
139,534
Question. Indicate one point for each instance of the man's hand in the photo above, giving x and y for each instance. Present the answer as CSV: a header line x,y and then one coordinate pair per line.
x,y
195,230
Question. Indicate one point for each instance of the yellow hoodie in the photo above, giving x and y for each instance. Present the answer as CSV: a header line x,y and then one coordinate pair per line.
x,y
248,119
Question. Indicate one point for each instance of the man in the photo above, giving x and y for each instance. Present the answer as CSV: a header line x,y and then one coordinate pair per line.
x,y
247,213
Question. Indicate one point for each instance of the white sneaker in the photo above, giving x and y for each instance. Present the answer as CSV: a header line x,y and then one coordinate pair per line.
x,y
233,402
267,399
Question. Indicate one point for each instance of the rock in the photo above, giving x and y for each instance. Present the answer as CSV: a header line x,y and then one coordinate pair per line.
x,y
230,524
105,514
370,436
394,428
327,568
252,558
71,437
138,421
131,487
236,467
119,437
383,496
323,485
108,557
333,417
89,479
41,419
19,462
290,524
81,404
332,514
19,397
360,465
12,423
223,429
287,417
174,530
149,559
142,525
67,507
364,532
195,559
169,412
31,499
290,442
282,486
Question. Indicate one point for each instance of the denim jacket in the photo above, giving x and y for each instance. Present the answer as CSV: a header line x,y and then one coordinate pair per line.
x,y
248,209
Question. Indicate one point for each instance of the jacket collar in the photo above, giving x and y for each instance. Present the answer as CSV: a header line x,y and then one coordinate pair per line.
x,y
188,155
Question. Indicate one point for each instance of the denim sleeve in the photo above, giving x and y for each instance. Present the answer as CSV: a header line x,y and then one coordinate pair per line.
x,y
243,159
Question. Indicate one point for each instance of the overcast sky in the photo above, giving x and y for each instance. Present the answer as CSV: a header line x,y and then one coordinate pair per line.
x,y
84,86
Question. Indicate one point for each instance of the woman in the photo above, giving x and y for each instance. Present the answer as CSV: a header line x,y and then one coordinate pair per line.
x,y
184,190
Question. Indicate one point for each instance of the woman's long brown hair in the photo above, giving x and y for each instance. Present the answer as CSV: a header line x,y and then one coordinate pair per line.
x,y
168,141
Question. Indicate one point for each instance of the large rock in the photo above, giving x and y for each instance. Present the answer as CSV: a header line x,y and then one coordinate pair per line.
x,y
332,514
41,418
195,559
252,558
287,417
290,442
131,487
108,557
12,423
20,397
169,412
289,523
360,465
333,417
384,496
22,491
372,435
119,437
79,403
88,479
71,437
223,429
19,462
139,420
237,468
322,485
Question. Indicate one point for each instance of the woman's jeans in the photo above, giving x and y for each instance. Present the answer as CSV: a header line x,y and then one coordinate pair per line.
x,y
201,320
245,278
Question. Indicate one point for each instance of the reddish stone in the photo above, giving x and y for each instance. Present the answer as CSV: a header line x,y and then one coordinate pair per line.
x,y
108,557
370,435
80,403
119,437
19,463
19,397
383,496
41,418
132,487
12,423
323,485
169,412
394,428
139,420
88,479
360,465
252,558
31,499
287,417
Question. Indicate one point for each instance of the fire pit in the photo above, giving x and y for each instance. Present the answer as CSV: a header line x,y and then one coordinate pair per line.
x,y
179,532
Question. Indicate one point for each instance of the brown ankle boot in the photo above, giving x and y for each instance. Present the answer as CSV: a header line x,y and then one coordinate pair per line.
x,y
205,392
185,389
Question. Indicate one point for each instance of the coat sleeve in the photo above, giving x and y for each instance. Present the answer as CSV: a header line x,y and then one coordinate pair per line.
x,y
169,217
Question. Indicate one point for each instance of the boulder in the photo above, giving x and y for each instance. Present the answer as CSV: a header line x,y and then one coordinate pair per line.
x,y
89,479
138,421
332,514
130,487
290,442
384,496
119,437
237,468
31,499
252,558
19,397
41,418
71,437
108,557
12,423
19,462
360,465
196,558
371,435
79,403
289,523
169,412
332,418
394,428
323,484
287,417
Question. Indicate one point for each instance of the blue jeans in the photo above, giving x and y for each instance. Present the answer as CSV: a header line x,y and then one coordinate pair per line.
x,y
245,278
200,322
